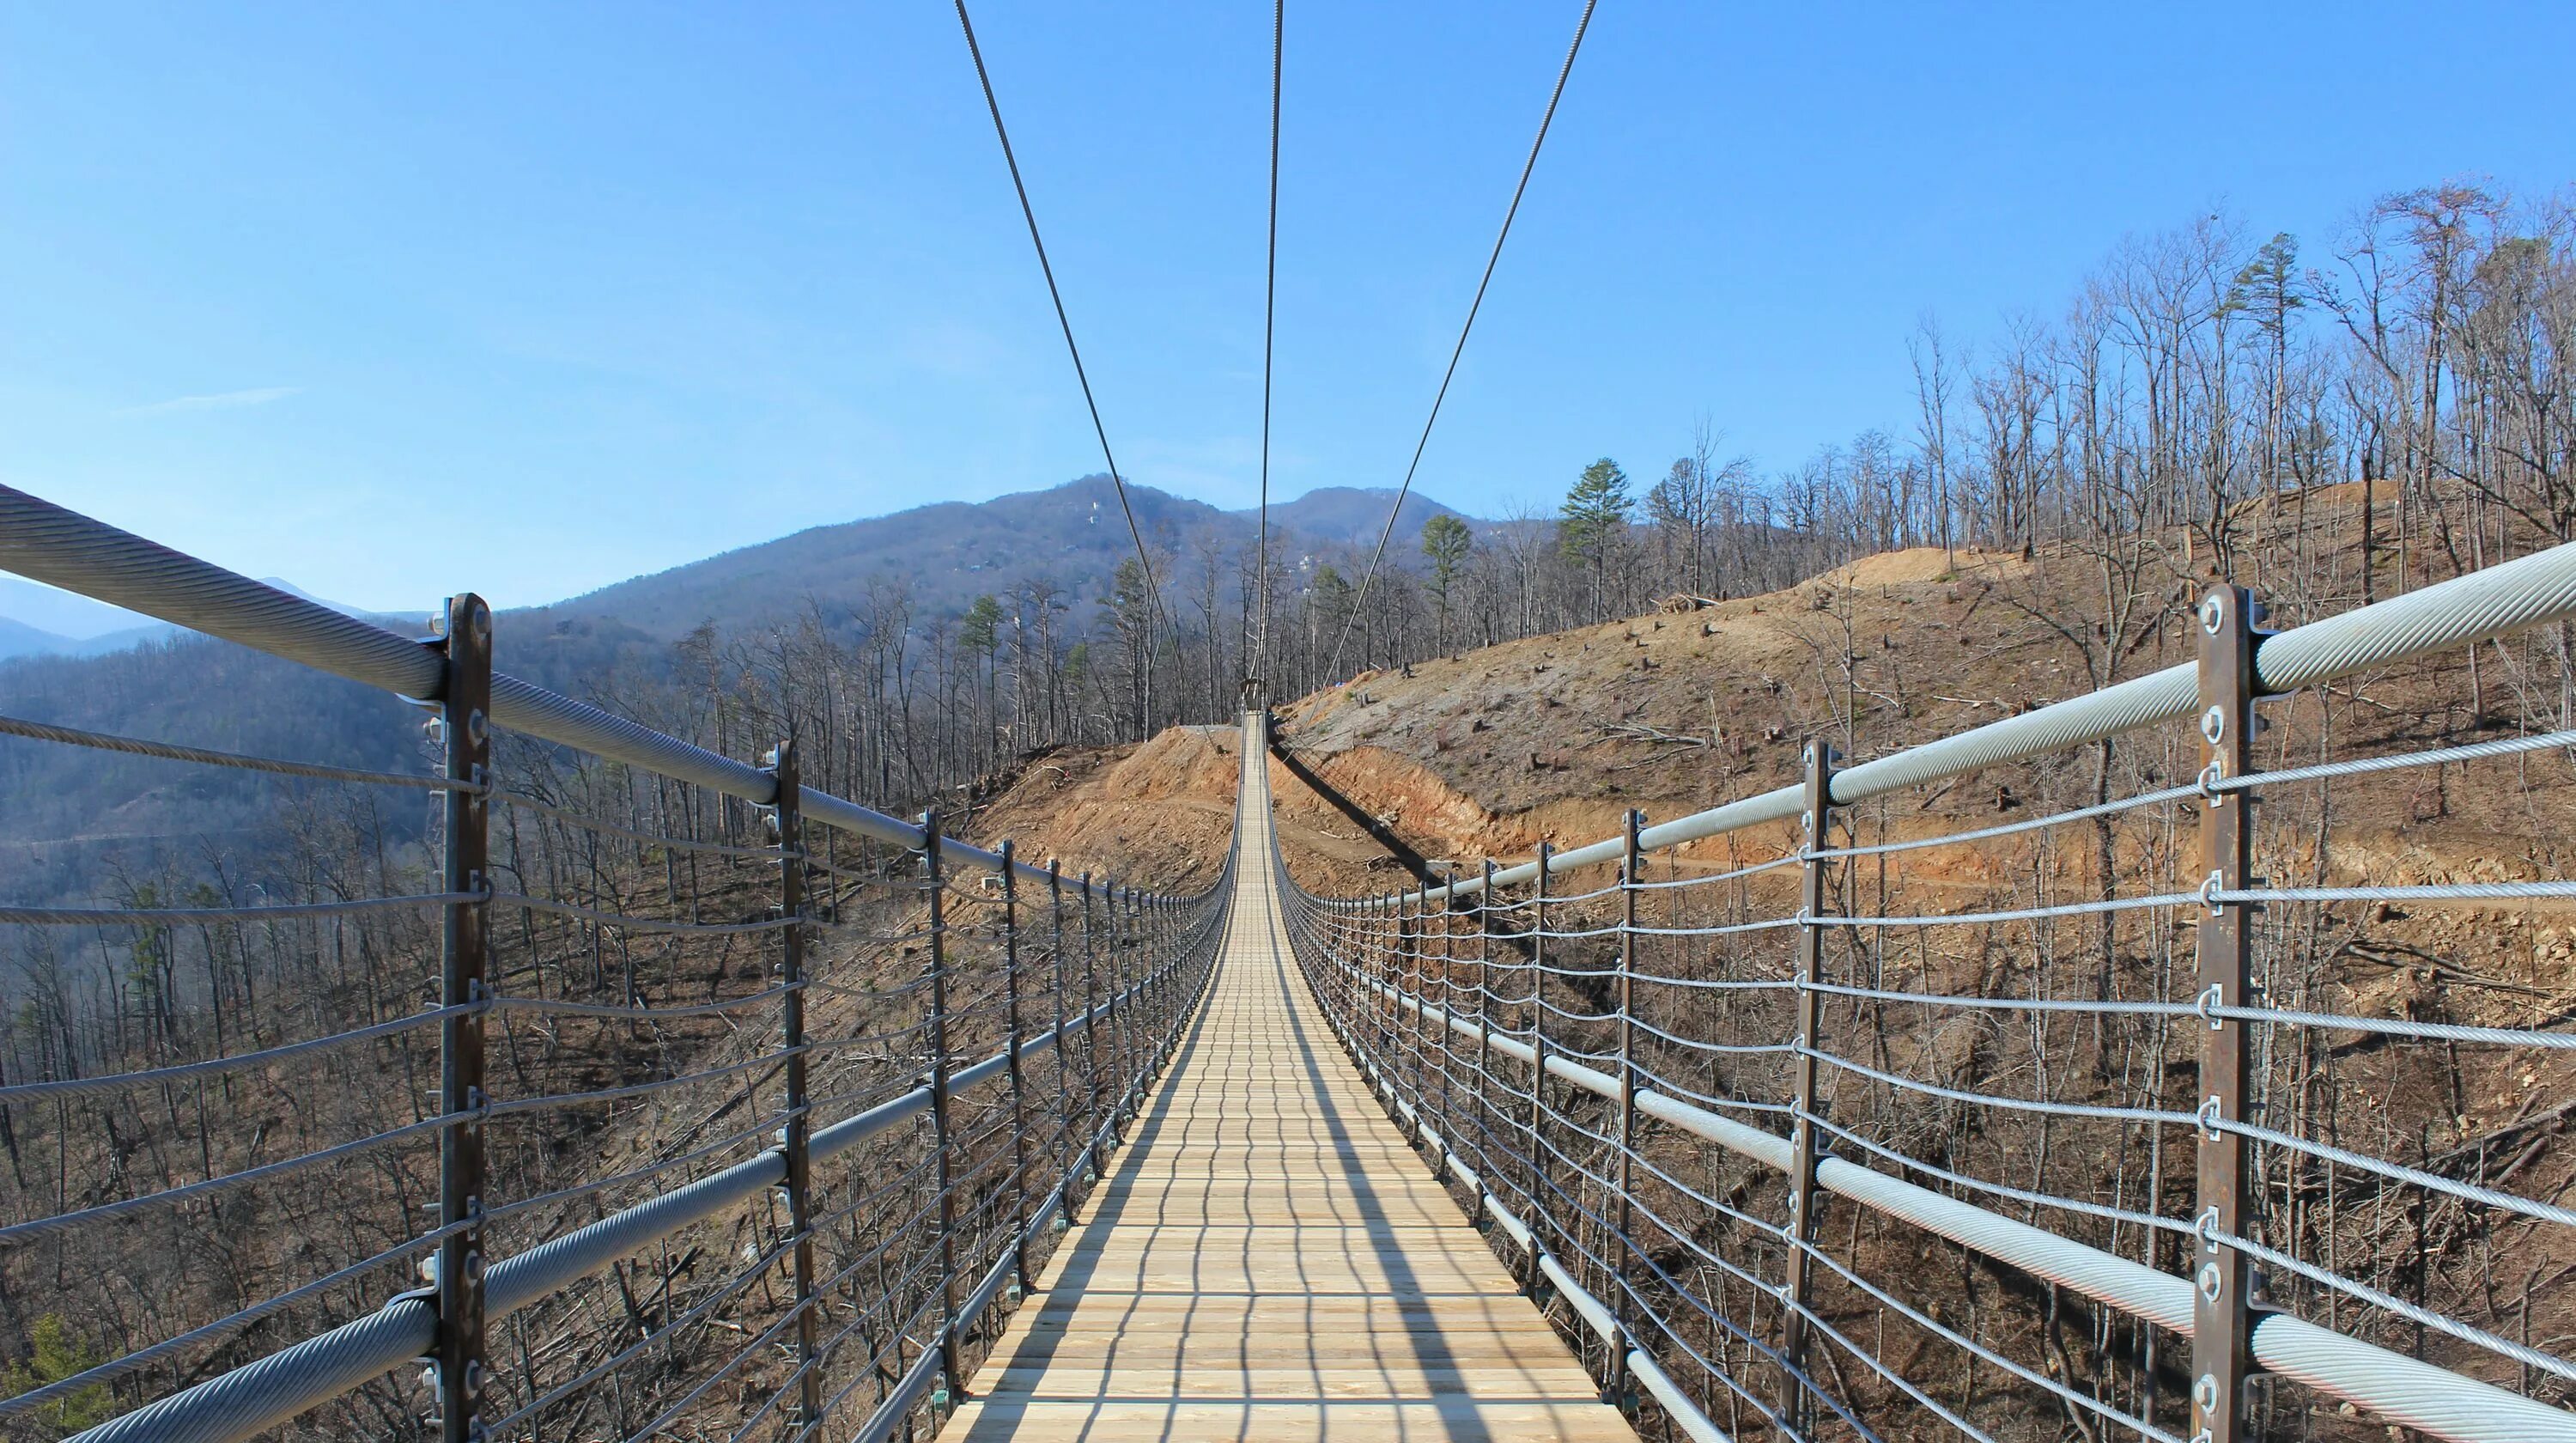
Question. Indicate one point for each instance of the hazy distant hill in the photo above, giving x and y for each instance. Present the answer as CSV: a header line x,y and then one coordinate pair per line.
x,y
951,552
1352,516
17,639
40,620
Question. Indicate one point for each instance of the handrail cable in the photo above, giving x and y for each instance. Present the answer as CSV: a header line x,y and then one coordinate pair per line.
x,y
1333,665
172,752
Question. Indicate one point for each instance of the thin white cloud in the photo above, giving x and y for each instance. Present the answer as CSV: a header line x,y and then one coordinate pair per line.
x,y
220,401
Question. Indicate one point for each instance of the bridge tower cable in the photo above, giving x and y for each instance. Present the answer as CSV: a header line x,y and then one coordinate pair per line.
x,y
1154,618
1332,666
1259,668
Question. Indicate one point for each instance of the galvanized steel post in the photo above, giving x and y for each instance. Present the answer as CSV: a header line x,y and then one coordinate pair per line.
x,y
2222,1332
465,724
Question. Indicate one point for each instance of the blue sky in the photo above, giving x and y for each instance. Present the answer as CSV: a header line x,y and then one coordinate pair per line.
x,y
395,301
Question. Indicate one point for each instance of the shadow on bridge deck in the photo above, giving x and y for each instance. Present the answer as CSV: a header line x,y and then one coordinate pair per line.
x,y
1270,1260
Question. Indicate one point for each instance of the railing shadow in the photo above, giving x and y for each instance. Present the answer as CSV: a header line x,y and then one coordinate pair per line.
x,y
1108,1340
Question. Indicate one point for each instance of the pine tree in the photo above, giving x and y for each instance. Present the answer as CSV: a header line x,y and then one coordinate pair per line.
x,y
58,1354
979,638
1446,541
1593,519
2268,288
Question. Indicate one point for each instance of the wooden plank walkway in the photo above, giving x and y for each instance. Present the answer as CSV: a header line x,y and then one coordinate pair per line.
x,y
1270,1260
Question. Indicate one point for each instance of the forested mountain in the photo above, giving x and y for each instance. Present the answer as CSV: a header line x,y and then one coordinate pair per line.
x,y
902,589
2207,384
1070,538
944,555
18,639
1351,516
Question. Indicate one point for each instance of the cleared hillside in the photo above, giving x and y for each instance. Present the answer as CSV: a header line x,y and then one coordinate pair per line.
x,y
1492,751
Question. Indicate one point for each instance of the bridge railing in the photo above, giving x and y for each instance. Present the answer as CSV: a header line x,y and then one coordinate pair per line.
x,y
688,1090
1829,1116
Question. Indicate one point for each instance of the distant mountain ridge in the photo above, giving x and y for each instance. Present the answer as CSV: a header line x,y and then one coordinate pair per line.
x,y
948,553
40,620
134,676
1353,515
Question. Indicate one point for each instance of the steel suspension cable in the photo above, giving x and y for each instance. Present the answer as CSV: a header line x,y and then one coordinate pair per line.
x,y
1333,665
1010,158
1269,335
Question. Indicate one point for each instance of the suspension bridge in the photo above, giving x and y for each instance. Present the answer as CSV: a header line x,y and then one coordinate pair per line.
x,y
1544,1147
1272,1260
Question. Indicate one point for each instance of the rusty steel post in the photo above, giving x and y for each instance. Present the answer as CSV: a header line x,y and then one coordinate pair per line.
x,y
465,726
1063,1049
1540,1181
798,1135
2222,1324
1122,1021
1132,983
1485,1033
1090,1033
942,1129
1796,1286
1621,1306
1406,969
1011,1048
1448,1010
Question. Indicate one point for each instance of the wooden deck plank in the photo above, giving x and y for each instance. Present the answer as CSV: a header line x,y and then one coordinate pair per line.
x,y
1270,1260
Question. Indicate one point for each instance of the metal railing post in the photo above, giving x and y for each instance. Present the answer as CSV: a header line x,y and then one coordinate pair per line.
x,y
791,1041
1158,914
1375,959
2222,1277
941,1131
1391,1001
1371,958
1485,1032
1141,1043
1114,923
465,725
1063,1048
1176,940
1408,988
1147,995
1360,1010
1011,1047
1448,1009
1139,969
1621,1305
1091,1024
1166,982
1122,940
1541,1182
1796,1286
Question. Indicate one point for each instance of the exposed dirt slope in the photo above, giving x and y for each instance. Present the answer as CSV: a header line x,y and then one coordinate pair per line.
x,y
1488,752
1492,751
